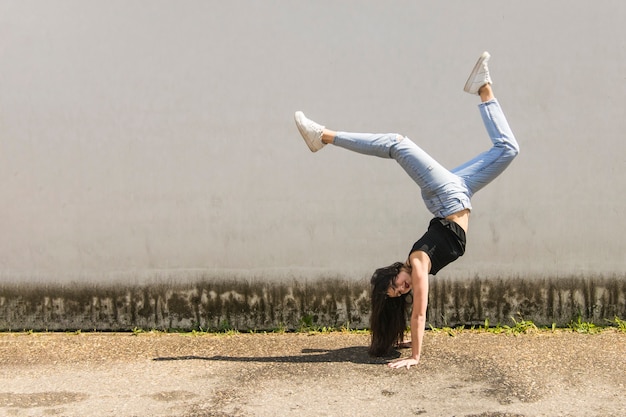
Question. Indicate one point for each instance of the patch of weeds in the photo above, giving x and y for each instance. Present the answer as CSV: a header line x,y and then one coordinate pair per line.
x,y
281,328
355,331
522,326
580,326
137,331
497,329
305,323
448,330
200,332
433,329
226,327
618,323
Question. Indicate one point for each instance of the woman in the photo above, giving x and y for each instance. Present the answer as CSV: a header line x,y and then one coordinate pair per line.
x,y
446,194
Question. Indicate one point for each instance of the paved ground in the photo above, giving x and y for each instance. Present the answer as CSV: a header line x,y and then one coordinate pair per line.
x,y
470,374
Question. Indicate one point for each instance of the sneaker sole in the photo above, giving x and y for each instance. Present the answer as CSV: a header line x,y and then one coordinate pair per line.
x,y
468,84
303,133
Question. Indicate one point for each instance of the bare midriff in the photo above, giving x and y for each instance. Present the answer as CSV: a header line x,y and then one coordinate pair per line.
x,y
461,218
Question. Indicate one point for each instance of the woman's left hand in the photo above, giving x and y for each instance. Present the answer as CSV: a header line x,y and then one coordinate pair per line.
x,y
401,363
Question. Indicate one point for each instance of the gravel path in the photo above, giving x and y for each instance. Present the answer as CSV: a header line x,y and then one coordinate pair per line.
x,y
156,374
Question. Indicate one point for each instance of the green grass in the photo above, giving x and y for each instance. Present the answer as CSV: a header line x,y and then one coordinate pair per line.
x,y
579,326
521,326
448,330
619,324
306,325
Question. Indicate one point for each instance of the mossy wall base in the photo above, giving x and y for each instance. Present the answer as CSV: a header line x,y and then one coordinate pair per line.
x,y
332,303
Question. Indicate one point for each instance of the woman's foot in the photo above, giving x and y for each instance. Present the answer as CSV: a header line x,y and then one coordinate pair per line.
x,y
311,132
479,76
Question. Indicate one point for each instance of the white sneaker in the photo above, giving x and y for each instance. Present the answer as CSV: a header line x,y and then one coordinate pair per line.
x,y
479,76
310,131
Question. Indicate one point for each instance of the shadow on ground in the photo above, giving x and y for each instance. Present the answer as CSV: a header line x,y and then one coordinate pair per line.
x,y
354,354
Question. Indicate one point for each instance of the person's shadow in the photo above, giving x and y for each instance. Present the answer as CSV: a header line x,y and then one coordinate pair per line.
x,y
355,354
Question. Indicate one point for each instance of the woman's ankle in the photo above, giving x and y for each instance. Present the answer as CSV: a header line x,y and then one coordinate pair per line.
x,y
328,136
486,93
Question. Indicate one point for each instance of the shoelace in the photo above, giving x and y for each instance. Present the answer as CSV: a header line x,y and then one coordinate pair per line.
x,y
486,71
314,126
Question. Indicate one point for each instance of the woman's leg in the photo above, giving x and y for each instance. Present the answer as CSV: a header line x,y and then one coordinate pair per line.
x,y
485,167
420,166
443,192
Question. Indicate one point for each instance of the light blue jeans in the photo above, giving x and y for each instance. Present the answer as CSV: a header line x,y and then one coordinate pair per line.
x,y
444,192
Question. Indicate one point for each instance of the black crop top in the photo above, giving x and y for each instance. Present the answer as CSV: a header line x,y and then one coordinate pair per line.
x,y
444,242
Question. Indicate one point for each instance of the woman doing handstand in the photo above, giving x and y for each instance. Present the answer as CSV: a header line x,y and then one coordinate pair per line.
x,y
447,196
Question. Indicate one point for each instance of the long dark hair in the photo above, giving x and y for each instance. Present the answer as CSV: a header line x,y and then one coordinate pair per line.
x,y
389,314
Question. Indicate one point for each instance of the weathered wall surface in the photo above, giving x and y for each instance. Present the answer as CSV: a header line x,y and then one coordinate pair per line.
x,y
261,305
159,136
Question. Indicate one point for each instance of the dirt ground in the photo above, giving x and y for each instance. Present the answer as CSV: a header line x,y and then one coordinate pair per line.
x,y
156,374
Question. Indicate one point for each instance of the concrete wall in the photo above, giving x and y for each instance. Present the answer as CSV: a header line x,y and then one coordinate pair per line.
x,y
158,136
211,304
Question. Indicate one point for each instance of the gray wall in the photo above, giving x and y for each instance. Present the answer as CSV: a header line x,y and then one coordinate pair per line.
x,y
148,137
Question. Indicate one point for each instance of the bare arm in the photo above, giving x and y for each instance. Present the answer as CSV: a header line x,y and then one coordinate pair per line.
x,y
420,264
